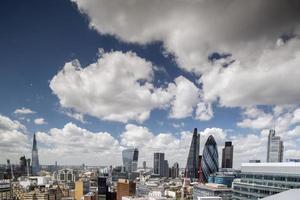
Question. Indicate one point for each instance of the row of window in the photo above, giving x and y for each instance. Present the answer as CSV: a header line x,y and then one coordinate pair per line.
x,y
268,177
272,184
255,190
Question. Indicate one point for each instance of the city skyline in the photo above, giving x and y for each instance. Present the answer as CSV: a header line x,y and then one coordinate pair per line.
x,y
90,83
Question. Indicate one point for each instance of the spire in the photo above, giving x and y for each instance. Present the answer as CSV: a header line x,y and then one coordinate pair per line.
x,y
35,157
34,148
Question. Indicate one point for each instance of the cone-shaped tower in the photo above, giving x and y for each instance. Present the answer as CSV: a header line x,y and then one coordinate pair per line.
x,y
35,158
192,165
210,158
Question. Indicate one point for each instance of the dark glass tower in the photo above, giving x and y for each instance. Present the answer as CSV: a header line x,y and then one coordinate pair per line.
x,y
227,155
158,163
35,158
192,165
210,158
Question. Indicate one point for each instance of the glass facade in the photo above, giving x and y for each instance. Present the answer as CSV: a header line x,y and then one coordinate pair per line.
x,y
158,164
35,158
210,158
130,159
192,166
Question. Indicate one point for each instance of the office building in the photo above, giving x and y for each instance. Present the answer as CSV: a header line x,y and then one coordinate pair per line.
x,y
192,166
158,164
166,169
227,155
221,178
35,157
23,166
111,195
210,158
82,187
102,188
5,189
211,190
275,148
65,175
259,180
125,187
130,159
175,170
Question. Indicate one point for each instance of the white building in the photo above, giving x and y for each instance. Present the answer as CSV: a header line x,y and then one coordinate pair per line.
x,y
211,191
275,148
260,180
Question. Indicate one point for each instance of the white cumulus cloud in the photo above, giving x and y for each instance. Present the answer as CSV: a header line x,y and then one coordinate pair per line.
x,y
40,121
117,87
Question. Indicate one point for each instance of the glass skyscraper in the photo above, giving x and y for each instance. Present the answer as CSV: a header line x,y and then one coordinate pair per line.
x,y
130,159
35,158
158,164
210,158
192,166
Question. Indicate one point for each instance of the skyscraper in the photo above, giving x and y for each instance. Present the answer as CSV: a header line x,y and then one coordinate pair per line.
x,y
166,169
227,155
158,163
275,148
175,170
102,188
193,157
210,158
23,166
130,159
144,165
35,157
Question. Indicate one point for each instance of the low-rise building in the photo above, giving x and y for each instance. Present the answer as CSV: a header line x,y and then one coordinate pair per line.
x,y
259,180
211,190
5,189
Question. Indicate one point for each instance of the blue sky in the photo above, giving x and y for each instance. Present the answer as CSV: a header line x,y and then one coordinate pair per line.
x,y
39,38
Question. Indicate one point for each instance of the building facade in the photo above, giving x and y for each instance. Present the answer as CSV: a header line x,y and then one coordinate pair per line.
x,y
65,175
5,189
82,187
227,155
211,190
275,148
35,157
158,164
125,188
192,166
130,159
210,158
259,180
175,170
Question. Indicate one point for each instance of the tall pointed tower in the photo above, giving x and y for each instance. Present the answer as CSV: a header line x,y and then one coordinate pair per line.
x,y
192,166
35,158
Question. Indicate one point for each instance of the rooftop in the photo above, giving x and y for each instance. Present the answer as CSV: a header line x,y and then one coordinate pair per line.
x,y
289,194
